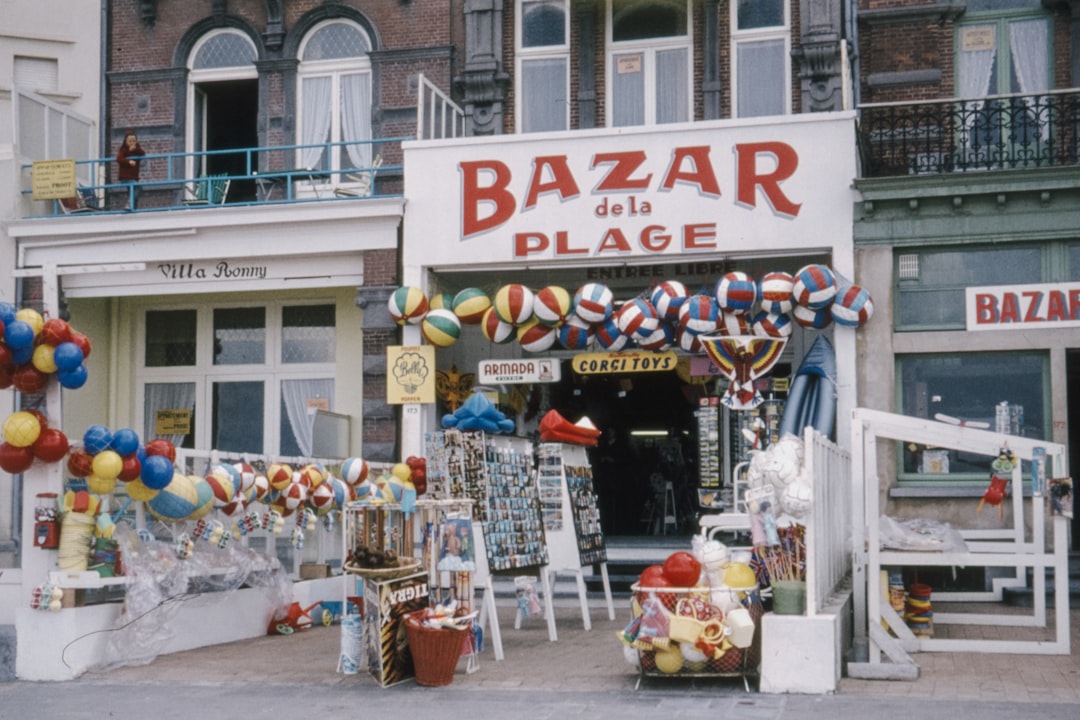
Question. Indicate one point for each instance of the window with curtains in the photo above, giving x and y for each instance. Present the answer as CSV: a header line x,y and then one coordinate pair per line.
x,y
335,99
761,57
245,379
543,65
649,62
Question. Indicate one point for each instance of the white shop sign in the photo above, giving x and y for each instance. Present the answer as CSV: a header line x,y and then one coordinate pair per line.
x,y
513,372
1023,307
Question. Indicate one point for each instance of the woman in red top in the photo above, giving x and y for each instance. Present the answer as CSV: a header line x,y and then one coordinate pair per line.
x,y
128,161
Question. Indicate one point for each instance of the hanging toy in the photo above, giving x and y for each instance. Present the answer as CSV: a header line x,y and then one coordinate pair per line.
x,y
1001,470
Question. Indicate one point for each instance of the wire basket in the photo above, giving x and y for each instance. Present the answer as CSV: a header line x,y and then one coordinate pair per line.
x,y
403,568
435,651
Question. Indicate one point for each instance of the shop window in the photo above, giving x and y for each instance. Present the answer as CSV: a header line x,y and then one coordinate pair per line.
x,y
232,404
170,338
1007,391
240,336
761,52
649,62
543,59
300,400
307,334
931,283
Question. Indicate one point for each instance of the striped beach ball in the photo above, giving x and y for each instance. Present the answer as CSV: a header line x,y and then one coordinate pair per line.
x,y
495,329
736,292
609,337
733,325
667,298
514,303
247,475
811,318
593,302
407,305
852,306
662,338
772,325
222,485
552,305
534,336
699,314
637,319
575,334
441,328
312,475
176,501
321,499
291,498
204,497
261,487
441,301
814,287
279,475
689,340
354,470
470,305
774,292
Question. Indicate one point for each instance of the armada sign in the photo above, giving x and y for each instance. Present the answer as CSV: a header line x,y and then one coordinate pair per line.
x,y
1016,307
515,372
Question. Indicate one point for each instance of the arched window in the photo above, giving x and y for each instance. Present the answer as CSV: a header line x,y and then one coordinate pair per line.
x,y
335,98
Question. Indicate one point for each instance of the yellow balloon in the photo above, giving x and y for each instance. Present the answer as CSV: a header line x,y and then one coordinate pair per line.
x,y
139,492
401,471
100,485
22,429
669,660
43,359
31,317
108,464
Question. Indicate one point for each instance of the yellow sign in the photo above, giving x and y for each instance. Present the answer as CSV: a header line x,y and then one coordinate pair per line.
x,y
410,374
52,179
172,422
623,362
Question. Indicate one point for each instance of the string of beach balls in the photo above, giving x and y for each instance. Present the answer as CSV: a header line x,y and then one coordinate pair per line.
x,y
663,317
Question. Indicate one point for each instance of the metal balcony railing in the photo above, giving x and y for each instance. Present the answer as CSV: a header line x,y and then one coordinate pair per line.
x,y
1002,132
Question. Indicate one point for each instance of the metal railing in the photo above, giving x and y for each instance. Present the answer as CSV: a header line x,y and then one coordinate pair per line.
x,y
999,132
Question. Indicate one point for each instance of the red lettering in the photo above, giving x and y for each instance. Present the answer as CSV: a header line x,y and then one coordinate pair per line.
x,y
787,161
1055,305
526,244
617,178
562,245
699,237
1033,307
702,174
1010,310
653,239
473,195
985,309
613,240
562,180
1074,304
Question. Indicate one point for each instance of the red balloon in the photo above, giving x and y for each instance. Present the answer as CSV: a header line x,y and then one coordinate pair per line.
x,y
653,576
682,569
51,445
5,352
29,379
163,447
42,420
15,459
7,375
54,332
80,463
82,341
130,469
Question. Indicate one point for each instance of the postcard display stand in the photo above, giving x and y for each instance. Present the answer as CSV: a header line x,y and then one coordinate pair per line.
x,y
571,520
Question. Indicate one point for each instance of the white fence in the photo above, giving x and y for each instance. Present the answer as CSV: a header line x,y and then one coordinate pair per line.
x,y
829,532
437,116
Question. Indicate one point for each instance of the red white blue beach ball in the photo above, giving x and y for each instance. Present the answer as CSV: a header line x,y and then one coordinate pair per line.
x,y
667,298
514,304
815,287
470,305
552,304
609,337
534,336
699,314
736,292
354,470
735,325
852,306
772,325
593,302
811,318
637,319
441,328
688,340
774,292
662,338
575,334
495,329
408,305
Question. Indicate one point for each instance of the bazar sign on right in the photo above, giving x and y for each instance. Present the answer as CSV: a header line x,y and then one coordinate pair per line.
x,y
1015,307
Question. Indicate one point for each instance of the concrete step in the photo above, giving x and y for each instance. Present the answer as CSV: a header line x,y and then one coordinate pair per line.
x,y
1024,596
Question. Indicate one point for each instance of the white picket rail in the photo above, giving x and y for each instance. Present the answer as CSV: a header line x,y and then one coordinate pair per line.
x,y
437,116
828,532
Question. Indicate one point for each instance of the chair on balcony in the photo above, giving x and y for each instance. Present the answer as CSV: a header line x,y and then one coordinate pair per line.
x,y
84,201
210,190
359,183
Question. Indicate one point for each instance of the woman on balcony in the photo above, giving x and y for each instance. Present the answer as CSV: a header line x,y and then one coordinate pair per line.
x,y
127,159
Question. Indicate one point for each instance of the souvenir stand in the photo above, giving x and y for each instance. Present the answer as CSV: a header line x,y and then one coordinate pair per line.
x,y
571,520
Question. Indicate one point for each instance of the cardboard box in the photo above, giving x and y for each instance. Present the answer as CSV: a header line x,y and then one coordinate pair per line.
x,y
314,571
386,602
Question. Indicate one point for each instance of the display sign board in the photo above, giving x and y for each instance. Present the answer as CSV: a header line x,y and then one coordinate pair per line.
x,y
52,179
607,363
172,422
410,374
1023,307
513,372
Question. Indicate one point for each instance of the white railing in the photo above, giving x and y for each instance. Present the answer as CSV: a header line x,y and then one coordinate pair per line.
x,y
437,116
828,534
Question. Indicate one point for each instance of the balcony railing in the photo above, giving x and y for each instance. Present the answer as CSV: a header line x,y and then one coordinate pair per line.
x,y
994,133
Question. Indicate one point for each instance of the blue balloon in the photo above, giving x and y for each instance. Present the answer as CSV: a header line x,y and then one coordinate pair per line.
x,y
96,438
68,356
7,312
72,379
125,441
157,472
18,334
23,355
141,454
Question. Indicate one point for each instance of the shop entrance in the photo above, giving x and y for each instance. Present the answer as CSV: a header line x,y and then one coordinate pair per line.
x,y
645,465
1072,367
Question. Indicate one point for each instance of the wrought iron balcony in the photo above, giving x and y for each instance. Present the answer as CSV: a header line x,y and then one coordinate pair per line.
x,y
1003,132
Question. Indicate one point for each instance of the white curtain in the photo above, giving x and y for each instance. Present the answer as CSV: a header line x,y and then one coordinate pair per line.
x,y
974,68
295,395
543,94
628,90
671,92
167,396
1027,38
356,117
317,104
762,81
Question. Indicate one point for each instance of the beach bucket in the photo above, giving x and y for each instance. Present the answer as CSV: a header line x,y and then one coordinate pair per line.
x,y
789,597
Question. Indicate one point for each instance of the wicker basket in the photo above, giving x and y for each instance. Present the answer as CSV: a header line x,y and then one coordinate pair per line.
x,y
404,567
435,651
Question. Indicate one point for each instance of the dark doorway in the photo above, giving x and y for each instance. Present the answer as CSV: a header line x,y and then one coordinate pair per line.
x,y
226,118
1072,368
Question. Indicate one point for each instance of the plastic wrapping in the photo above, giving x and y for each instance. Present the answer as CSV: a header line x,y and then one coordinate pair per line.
x,y
159,581
920,535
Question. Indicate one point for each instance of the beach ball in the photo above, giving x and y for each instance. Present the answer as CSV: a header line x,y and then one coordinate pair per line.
x,y
662,338
774,292
72,379
67,356
18,334
407,305
441,328
261,487
157,472
441,301
811,318
15,460
204,497
470,305
609,337
733,325
736,293
107,464
593,302
279,476
552,304
291,498
138,491
852,306
221,485
699,314
637,319
495,329
54,332
177,501
51,445
669,660
247,475
768,324
43,358
814,287
321,499
514,303
668,297
312,475
125,441
534,336
688,340
354,470
22,429
162,447
31,317
575,334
